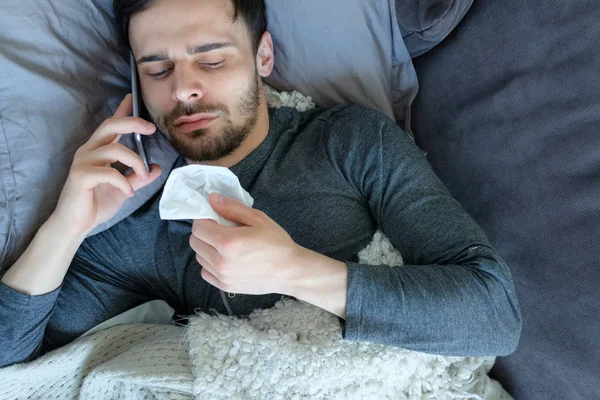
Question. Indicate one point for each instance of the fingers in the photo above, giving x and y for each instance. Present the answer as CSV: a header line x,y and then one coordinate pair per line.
x,y
210,278
235,211
137,182
88,177
121,123
206,265
112,153
91,165
125,108
125,125
211,232
208,273
110,130
205,251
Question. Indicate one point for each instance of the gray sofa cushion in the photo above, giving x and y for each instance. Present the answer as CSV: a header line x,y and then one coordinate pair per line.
x,y
509,112
61,75
425,23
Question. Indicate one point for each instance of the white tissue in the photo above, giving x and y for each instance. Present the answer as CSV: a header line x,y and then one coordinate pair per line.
x,y
186,192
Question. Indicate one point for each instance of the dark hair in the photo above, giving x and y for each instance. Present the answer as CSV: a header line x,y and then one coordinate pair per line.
x,y
253,12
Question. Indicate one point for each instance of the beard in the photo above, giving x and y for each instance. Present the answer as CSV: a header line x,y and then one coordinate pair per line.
x,y
205,144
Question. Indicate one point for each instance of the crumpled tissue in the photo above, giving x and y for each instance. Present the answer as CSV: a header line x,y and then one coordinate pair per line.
x,y
186,192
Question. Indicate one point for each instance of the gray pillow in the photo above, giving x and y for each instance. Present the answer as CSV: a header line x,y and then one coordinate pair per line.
x,y
509,111
61,75
343,51
425,23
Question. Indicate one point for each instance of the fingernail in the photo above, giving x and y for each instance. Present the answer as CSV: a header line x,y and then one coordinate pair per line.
x,y
220,198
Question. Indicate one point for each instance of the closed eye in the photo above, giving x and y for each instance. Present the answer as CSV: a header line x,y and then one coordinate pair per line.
x,y
214,64
162,73
159,74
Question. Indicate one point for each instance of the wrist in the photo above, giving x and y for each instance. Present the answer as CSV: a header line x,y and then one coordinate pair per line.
x,y
321,281
61,232
299,280
57,240
42,266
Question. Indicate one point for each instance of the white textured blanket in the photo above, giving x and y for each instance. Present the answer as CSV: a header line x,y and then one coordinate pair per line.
x,y
295,351
292,351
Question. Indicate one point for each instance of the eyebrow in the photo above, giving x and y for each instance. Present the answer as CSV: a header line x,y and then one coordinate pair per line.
x,y
205,48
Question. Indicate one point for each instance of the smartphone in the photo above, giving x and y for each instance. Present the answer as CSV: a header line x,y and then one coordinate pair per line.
x,y
137,98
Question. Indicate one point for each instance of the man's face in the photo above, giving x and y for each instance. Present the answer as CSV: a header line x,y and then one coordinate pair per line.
x,y
198,71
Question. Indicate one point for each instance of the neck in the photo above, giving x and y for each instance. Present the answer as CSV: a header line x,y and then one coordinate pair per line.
x,y
254,139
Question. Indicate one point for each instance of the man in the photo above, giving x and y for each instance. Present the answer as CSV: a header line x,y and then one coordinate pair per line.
x,y
323,181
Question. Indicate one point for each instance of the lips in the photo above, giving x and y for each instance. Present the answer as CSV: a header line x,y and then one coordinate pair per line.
x,y
190,123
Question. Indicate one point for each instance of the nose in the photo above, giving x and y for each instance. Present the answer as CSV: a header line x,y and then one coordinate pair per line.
x,y
188,85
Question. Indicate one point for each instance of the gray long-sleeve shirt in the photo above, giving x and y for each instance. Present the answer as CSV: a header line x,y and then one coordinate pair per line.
x,y
330,178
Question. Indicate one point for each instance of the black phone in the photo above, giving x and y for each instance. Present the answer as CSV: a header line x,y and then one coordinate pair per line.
x,y
137,98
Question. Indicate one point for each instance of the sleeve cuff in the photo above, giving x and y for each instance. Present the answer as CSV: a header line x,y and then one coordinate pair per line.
x,y
12,300
351,328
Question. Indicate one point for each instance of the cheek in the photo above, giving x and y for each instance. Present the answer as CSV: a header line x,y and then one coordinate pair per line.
x,y
233,85
219,84
157,99
226,89
224,86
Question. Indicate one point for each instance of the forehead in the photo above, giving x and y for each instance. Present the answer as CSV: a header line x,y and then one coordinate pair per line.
x,y
175,25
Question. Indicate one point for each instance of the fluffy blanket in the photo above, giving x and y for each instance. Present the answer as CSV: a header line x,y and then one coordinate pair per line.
x,y
291,351
295,351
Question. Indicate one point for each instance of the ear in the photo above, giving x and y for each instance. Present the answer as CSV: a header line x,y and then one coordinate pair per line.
x,y
265,57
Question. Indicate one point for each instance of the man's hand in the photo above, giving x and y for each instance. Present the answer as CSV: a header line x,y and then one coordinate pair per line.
x,y
94,191
258,257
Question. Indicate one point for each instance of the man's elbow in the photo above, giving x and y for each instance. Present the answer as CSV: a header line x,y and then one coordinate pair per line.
x,y
507,325
15,353
511,332
502,312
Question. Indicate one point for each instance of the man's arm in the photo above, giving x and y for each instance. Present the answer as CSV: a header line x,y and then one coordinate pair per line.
x,y
461,303
455,296
322,281
28,292
93,193
438,309
43,265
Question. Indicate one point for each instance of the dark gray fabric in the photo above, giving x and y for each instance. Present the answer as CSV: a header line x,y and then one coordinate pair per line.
x,y
509,111
329,178
425,23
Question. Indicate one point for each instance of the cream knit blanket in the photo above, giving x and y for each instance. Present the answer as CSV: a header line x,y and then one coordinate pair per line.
x,y
292,351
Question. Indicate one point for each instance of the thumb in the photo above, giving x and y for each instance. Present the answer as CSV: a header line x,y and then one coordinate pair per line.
x,y
232,210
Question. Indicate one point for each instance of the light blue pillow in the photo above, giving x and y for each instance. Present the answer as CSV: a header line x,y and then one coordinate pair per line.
x,y
60,76
343,51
